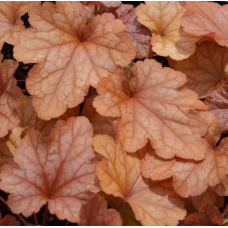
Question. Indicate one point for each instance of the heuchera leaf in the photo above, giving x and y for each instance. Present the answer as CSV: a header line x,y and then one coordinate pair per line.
x,y
95,213
141,36
10,97
153,106
205,69
71,55
190,178
168,38
10,20
58,171
119,175
9,220
5,153
207,215
206,18
218,104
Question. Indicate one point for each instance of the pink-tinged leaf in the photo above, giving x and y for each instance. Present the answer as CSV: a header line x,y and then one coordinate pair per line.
x,y
10,20
203,18
218,104
168,38
154,106
207,215
9,220
111,3
70,55
141,36
119,175
58,171
10,97
95,213
205,69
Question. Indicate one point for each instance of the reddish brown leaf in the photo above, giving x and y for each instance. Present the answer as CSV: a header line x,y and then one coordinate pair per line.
x,y
10,97
58,171
218,104
121,177
9,220
66,66
206,18
168,38
205,69
5,152
207,215
95,213
153,106
141,36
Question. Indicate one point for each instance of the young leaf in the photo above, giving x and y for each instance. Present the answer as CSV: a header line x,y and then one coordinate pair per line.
x,y
203,18
168,38
205,69
10,20
10,97
58,171
141,36
153,106
119,175
70,55
95,213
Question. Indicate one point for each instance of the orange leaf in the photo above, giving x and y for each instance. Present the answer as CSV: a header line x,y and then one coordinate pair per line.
x,y
58,171
168,38
9,220
66,66
95,213
207,215
119,175
141,36
10,20
205,69
153,106
203,18
10,97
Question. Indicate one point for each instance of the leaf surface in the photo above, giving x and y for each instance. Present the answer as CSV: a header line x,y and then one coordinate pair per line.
x,y
153,106
70,55
58,171
9,220
119,175
95,213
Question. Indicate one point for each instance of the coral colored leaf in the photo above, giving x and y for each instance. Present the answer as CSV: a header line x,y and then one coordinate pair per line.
x,y
10,20
119,175
205,69
153,106
203,18
95,213
207,215
218,104
141,36
58,171
10,97
111,3
70,55
9,220
168,38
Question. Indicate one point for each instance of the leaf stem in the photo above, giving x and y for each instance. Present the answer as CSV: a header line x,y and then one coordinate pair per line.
x,y
35,218
224,213
120,205
23,221
45,215
67,223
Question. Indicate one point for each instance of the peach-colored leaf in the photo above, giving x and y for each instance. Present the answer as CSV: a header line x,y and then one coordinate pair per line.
x,y
207,215
141,36
58,171
203,18
205,69
119,175
111,3
222,188
153,106
218,104
70,55
168,38
10,97
10,20
9,220
95,213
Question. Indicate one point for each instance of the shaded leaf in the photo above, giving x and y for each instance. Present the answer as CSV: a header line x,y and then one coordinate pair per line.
x,y
5,153
9,220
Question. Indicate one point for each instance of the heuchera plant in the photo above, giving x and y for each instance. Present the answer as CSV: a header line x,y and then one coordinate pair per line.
x,y
123,119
